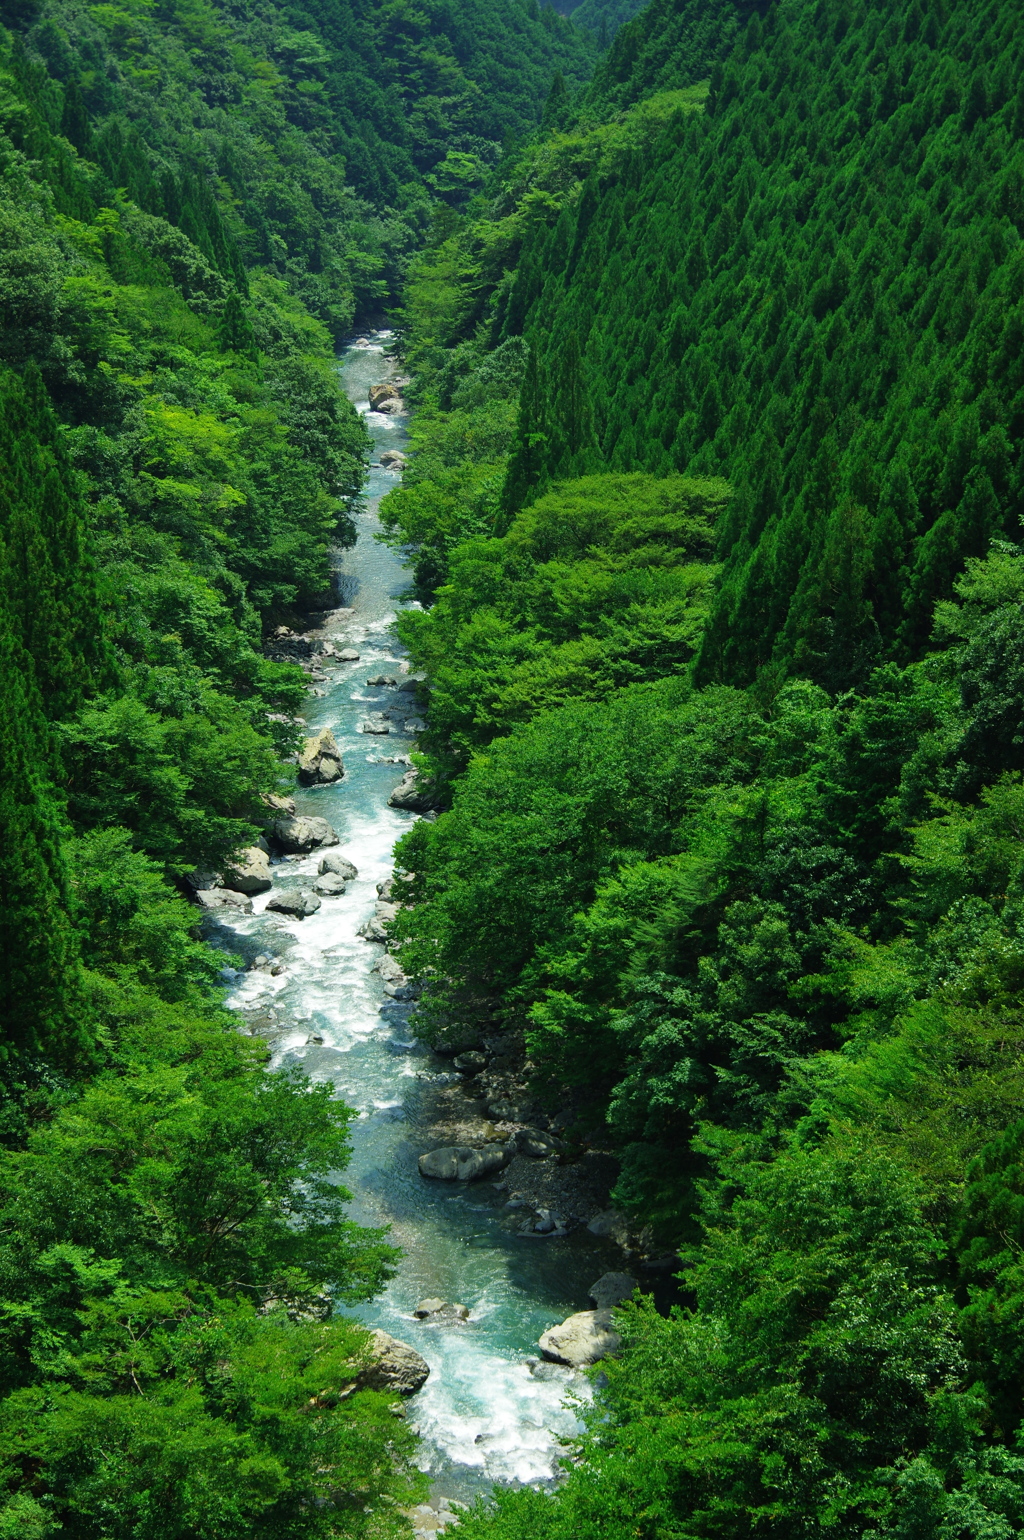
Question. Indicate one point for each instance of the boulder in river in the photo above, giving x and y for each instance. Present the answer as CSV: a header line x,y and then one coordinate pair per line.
x,y
381,395
380,680
414,793
330,885
224,898
299,902
393,459
339,864
394,1365
373,929
320,761
390,970
348,655
249,872
460,1163
440,1310
376,724
298,835
611,1289
581,1339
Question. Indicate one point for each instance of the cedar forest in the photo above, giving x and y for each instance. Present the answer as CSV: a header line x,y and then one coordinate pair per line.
x,y
714,316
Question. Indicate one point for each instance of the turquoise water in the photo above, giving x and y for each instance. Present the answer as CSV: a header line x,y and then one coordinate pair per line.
x,y
483,1416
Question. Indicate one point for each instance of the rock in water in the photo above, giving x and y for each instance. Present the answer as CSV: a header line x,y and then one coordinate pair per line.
x,y
414,794
377,723
394,1366
297,835
249,872
330,885
380,394
339,864
611,1289
224,898
440,1310
584,1338
374,928
299,902
459,1163
393,459
348,655
380,680
320,761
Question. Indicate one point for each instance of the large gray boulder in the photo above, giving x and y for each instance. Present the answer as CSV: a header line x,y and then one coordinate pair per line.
x,y
224,898
390,969
414,793
459,1163
376,723
581,1339
339,864
374,929
330,885
381,395
535,1142
298,902
283,805
394,1365
320,760
611,1289
249,872
298,835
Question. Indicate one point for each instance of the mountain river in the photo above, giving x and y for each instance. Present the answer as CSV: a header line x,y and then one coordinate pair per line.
x,y
486,1414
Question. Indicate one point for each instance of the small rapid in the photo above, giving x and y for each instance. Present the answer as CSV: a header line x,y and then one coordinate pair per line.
x,y
486,1414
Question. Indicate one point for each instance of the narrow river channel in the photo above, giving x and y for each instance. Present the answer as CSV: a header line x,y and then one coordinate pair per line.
x,y
486,1414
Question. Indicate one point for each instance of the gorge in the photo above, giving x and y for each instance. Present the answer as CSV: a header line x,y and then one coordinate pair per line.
x,y
511,782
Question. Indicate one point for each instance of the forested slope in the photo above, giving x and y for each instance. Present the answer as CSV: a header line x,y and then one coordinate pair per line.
x,y
194,203
716,512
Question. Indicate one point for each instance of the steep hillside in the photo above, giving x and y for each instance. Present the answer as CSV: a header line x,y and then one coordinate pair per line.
x,y
716,520
195,202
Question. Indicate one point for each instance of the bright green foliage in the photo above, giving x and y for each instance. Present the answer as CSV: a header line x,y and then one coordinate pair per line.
x,y
195,203
815,1390
752,902
602,583
800,290
309,143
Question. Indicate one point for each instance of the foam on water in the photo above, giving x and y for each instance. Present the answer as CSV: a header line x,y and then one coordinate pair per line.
x,y
484,1416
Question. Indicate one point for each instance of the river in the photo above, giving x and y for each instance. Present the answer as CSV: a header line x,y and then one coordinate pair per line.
x,y
484,1415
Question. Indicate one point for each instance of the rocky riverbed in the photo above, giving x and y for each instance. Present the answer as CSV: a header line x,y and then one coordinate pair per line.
x,y
517,1248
